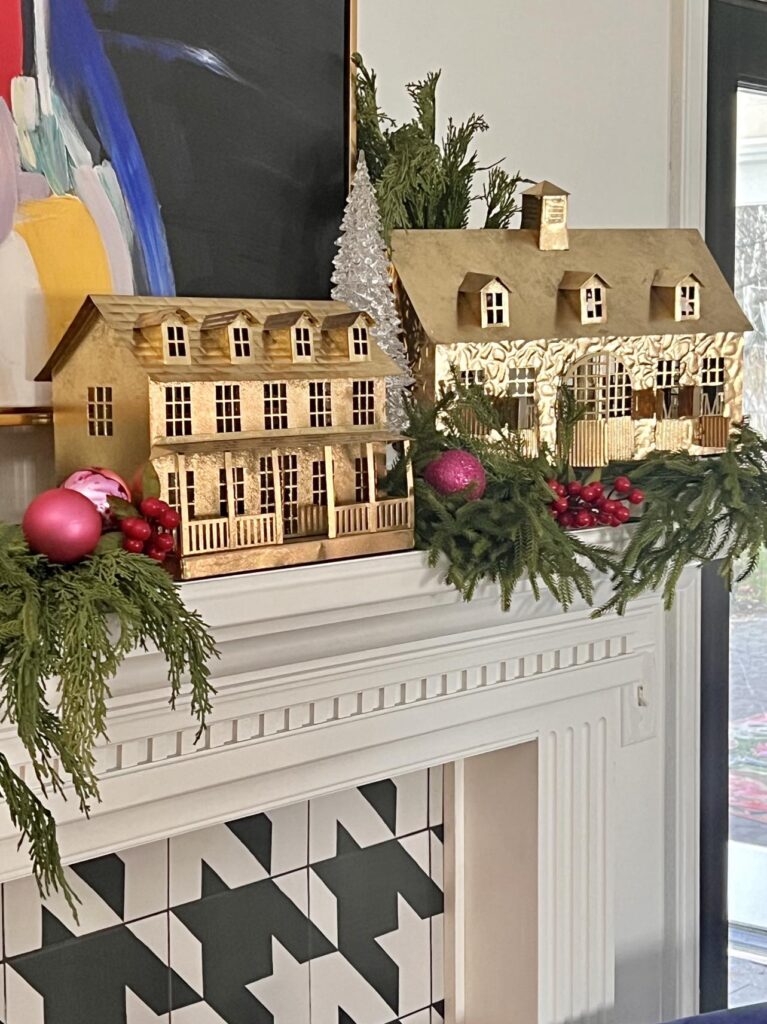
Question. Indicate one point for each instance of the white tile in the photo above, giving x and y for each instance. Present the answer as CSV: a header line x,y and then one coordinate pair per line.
x,y
323,908
436,1017
421,1017
412,801
23,1004
335,985
352,811
285,993
224,849
418,847
437,860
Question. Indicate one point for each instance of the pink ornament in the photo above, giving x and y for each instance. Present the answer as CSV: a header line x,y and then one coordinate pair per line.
x,y
454,471
62,524
98,485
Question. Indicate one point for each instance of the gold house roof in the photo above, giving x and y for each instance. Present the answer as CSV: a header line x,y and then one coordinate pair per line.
x,y
128,315
433,264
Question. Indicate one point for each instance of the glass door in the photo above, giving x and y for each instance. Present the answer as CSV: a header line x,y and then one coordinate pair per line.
x,y
734,700
747,872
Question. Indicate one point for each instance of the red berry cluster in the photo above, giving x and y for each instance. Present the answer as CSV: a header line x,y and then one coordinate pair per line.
x,y
151,535
578,506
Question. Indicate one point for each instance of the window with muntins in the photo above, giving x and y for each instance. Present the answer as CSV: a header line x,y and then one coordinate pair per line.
x,y
190,494
289,483
469,377
601,385
228,409
100,419
275,405
319,483
360,342
238,491
178,410
361,478
302,343
363,403
241,348
496,307
594,303
319,404
667,386
176,345
266,494
712,386
689,298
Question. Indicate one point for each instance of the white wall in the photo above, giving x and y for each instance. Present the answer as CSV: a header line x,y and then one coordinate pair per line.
x,y
576,91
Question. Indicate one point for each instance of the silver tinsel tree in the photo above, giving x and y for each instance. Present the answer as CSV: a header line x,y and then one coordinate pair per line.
x,y
361,280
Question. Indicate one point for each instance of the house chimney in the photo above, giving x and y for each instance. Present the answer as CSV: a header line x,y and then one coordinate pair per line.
x,y
544,209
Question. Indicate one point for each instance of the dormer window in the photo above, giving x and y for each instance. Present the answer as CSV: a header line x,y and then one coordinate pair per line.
x,y
359,345
688,301
303,342
495,307
176,343
593,304
240,341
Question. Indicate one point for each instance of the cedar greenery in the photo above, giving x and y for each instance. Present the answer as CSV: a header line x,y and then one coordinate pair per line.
x,y
419,182
75,625
696,509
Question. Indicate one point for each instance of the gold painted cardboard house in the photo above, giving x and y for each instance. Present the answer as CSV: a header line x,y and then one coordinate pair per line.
x,y
265,420
639,324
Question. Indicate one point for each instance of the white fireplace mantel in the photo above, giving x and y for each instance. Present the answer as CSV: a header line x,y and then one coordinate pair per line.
x,y
338,674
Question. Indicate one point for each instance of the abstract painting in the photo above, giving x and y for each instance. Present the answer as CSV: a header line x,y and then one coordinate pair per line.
x,y
183,147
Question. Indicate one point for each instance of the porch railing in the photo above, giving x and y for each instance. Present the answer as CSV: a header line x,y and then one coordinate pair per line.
x,y
201,536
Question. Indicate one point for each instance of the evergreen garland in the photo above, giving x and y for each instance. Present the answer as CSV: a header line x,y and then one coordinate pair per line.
x,y
420,182
74,625
696,509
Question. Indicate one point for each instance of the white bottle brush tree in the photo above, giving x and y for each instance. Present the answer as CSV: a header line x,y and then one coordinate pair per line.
x,y
361,280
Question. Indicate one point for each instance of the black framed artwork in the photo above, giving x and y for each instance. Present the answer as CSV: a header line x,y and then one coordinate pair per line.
x,y
187,147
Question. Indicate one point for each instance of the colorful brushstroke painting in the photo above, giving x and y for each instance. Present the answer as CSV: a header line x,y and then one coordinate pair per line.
x,y
187,147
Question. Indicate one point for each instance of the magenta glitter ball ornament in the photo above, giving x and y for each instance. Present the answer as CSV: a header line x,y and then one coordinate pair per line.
x,y
455,471
98,486
62,524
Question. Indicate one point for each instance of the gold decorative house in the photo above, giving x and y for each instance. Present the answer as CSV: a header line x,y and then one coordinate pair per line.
x,y
639,324
265,421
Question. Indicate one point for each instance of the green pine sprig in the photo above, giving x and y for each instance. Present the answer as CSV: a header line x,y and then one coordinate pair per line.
x,y
696,509
74,625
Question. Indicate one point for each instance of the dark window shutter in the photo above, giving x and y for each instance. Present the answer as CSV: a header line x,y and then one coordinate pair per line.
x,y
643,404
689,401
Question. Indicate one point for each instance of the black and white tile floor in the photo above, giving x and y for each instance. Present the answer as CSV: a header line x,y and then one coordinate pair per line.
x,y
326,912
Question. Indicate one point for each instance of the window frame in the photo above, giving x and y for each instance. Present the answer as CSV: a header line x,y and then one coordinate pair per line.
x,y
245,343
363,403
495,291
228,408
694,299
361,343
275,412
176,358
603,384
99,411
295,341
185,417
713,378
320,404
597,303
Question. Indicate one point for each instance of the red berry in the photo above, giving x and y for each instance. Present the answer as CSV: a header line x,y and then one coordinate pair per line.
x,y
574,488
566,519
553,485
553,512
636,497
589,493
152,507
560,504
605,518
138,529
169,519
610,506
599,488
613,521
601,502
622,514
156,554
583,519
163,542
622,484
134,545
